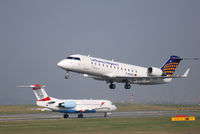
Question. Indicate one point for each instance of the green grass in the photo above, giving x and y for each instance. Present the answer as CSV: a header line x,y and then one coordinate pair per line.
x,y
138,125
155,107
18,109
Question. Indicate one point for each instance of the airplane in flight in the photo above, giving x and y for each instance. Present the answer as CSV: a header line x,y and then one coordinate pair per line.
x,y
111,71
70,106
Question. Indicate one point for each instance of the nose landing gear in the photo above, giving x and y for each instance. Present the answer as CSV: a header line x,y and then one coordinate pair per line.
x,y
105,114
67,75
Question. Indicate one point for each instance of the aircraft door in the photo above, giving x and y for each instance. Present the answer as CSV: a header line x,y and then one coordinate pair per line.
x,y
86,64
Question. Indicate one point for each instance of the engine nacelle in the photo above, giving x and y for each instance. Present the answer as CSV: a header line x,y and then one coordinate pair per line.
x,y
154,71
68,104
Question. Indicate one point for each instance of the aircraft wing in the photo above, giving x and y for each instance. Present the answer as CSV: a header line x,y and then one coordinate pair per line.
x,y
83,109
148,78
135,79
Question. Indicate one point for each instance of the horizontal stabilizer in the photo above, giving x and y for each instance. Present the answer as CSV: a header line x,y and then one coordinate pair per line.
x,y
46,109
190,58
186,73
39,91
31,86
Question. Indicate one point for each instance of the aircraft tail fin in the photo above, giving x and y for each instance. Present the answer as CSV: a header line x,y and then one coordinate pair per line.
x,y
39,91
171,65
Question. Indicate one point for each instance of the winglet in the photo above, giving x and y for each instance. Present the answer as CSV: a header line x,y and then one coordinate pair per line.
x,y
186,73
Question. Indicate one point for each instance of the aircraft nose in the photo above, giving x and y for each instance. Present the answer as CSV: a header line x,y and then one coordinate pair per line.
x,y
60,64
114,107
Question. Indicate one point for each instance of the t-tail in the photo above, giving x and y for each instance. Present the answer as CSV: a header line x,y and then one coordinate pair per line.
x,y
171,65
39,92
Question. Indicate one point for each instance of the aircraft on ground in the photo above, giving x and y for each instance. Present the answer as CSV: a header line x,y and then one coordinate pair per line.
x,y
111,71
70,106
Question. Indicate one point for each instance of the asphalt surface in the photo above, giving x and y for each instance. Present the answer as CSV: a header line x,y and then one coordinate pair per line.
x,y
43,116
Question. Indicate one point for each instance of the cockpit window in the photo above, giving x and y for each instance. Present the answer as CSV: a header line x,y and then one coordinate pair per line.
x,y
73,58
76,58
69,58
51,102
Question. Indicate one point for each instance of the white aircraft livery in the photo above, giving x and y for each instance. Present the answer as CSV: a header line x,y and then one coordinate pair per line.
x,y
111,71
70,106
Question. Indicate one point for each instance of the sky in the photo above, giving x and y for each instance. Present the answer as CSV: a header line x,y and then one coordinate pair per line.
x,y
36,34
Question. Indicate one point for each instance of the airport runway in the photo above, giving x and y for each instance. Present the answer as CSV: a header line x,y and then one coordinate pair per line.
x,y
42,116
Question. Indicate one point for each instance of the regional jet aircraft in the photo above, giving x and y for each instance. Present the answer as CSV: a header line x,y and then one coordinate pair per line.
x,y
70,106
111,71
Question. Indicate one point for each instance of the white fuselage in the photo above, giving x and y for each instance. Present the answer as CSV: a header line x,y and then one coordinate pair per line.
x,y
79,106
107,69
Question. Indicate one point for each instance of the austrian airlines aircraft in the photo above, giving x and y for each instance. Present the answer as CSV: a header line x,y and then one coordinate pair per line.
x,y
70,106
111,71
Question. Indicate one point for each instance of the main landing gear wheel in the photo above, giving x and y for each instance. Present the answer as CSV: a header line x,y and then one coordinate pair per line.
x,y
112,86
80,115
65,116
127,86
66,76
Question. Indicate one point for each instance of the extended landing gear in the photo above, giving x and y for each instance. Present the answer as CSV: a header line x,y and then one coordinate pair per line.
x,y
67,75
80,115
127,86
105,114
65,116
112,86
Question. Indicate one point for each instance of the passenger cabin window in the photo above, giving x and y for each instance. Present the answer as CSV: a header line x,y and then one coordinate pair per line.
x,y
73,58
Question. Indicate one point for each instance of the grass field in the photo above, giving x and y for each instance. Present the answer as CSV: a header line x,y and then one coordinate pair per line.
x,y
155,107
136,125
18,109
